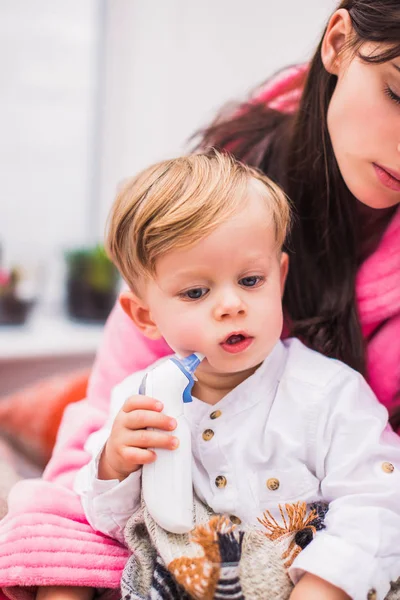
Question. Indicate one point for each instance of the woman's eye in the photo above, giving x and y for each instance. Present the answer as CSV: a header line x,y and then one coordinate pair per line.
x,y
194,294
251,281
390,93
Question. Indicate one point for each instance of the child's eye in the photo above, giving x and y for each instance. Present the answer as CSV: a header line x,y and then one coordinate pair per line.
x,y
194,294
389,92
251,281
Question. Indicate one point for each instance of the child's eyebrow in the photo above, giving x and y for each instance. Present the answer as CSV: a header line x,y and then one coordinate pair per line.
x,y
256,261
184,276
203,271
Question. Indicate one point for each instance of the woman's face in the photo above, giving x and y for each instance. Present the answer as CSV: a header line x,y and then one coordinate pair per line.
x,y
363,116
364,126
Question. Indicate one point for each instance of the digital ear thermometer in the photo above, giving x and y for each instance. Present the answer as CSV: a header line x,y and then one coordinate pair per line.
x,y
167,482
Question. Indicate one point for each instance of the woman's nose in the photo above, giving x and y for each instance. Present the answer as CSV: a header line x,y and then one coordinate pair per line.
x,y
229,305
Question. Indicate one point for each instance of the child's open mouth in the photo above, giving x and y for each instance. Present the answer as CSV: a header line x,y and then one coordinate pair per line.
x,y
236,342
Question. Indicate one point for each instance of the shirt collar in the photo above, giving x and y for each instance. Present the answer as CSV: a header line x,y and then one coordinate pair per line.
x,y
265,378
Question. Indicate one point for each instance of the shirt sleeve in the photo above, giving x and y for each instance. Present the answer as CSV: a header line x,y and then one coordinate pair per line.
x,y
359,458
108,504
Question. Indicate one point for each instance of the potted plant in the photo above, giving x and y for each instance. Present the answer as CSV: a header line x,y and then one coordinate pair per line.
x,y
14,308
92,282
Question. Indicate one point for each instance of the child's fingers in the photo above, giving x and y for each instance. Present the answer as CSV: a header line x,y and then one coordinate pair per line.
x,y
140,419
147,438
139,402
135,455
140,456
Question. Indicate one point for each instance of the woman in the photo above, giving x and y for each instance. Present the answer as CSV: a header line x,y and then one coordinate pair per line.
x,y
337,155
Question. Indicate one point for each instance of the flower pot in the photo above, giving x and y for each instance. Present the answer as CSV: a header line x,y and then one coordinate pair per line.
x,y
87,304
14,311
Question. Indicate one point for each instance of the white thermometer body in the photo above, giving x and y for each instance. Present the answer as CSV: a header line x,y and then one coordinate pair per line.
x,y
167,482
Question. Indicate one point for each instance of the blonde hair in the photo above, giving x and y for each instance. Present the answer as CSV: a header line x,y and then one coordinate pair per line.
x,y
175,203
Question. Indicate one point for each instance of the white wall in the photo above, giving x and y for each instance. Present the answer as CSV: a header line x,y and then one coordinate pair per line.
x,y
66,141
173,63
48,81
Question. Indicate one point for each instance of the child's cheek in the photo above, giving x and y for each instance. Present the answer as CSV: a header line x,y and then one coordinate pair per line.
x,y
192,332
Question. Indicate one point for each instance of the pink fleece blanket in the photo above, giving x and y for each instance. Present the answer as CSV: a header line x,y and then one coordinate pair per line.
x,y
45,539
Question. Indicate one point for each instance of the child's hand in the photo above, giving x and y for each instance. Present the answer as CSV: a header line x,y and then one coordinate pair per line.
x,y
126,449
311,587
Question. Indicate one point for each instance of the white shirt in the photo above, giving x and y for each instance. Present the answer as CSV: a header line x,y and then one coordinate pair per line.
x,y
311,423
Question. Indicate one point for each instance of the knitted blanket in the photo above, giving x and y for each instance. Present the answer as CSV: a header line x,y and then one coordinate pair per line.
x,y
219,560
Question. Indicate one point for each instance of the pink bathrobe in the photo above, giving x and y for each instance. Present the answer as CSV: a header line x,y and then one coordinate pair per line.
x,y
45,539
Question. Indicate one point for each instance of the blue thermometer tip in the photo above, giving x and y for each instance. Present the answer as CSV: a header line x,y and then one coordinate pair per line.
x,y
190,363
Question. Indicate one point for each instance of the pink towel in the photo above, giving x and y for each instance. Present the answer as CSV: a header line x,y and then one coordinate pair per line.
x,y
45,539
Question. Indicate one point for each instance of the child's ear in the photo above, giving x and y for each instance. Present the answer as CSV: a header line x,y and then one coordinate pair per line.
x,y
138,311
284,267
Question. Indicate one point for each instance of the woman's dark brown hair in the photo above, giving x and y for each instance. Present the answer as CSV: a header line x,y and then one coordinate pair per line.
x,y
296,152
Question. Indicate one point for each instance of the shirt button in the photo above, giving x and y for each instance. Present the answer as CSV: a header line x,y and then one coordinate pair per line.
x,y
220,481
387,467
372,595
235,520
208,434
272,484
215,414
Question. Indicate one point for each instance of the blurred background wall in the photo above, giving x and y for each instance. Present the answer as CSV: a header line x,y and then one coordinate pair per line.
x,y
91,91
49,80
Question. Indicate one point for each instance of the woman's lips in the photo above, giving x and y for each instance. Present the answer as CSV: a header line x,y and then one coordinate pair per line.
x,y
236,342
388,177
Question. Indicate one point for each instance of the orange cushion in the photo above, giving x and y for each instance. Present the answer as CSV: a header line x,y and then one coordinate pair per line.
x,y
30,417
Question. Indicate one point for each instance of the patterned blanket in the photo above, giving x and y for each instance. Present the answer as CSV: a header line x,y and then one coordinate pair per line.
x,y
219,560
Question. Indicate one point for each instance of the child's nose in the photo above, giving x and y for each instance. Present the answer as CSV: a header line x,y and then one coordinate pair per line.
x,y
229,305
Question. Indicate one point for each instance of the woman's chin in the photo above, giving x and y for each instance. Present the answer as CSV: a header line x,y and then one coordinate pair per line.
x,y
376,196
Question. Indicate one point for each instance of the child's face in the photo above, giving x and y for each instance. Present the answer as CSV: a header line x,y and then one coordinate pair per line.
x,y
222,296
